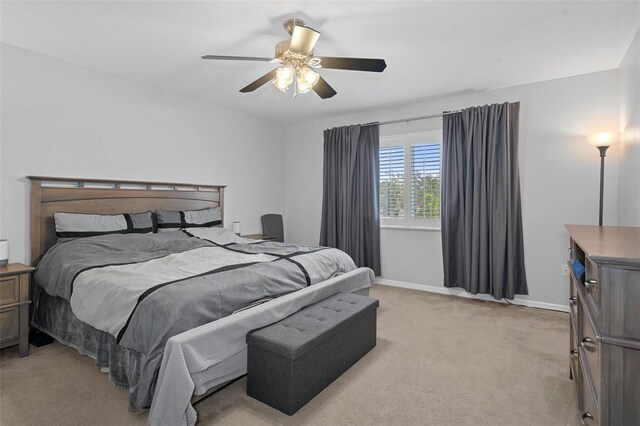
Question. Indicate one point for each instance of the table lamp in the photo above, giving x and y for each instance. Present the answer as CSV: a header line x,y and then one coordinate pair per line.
x,y
4,252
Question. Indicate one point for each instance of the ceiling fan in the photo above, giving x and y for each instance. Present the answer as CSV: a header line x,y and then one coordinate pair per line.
x,y
298,65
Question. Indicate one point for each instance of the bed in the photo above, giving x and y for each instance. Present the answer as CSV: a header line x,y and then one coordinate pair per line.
x,y
166,314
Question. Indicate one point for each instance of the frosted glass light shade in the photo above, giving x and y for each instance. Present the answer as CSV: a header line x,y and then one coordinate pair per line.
x,y
307,78
603,139
284,78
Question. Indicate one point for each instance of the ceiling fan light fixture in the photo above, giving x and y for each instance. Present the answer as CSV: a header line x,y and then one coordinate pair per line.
x,y
306,78
296,62
284,78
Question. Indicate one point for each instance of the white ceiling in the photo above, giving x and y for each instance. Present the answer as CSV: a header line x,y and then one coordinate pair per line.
x,y
431,48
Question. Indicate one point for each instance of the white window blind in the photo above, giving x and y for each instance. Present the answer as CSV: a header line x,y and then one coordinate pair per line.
x,y
425,181
392,182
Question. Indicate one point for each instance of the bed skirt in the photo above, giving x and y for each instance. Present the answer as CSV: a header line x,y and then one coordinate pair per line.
x,y
53,315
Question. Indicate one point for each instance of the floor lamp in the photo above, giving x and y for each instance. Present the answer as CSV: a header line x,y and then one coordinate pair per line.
x,y
602,141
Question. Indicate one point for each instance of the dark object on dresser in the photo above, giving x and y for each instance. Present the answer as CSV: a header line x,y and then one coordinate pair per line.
x,y
293,360
605,324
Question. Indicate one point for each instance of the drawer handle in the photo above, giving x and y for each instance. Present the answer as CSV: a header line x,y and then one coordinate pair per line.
x,y
570,249
586,415
587,341
573,300
574,352
591,284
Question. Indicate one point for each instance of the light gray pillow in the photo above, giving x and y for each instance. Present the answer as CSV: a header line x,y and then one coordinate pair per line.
x,y
79,225
170,220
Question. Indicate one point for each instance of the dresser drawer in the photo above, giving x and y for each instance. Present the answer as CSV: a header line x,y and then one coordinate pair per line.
x,y
9,290
624,386
574,363
14,306
574,301
588,410
592,288
9,326
574,342
589,353
621,302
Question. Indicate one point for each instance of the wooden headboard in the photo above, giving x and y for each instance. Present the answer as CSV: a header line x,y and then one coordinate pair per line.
x,y
100,196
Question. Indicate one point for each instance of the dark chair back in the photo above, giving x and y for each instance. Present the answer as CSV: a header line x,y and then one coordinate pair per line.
x,y
272,225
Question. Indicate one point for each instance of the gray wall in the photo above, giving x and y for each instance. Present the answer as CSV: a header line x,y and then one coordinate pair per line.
x,y
629,199
560,173
61,119
65,120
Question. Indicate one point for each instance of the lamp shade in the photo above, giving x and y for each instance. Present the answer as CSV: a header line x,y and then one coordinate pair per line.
x,y
603,139
4,252
284,77
307,78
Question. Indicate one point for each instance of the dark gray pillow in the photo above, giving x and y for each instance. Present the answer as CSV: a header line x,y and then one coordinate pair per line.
x,y
170,220
79,225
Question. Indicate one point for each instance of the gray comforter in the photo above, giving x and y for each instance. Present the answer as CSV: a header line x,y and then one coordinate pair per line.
x,y
145,288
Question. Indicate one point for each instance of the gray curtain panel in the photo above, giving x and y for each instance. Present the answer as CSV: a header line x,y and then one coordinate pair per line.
x,y
482,243
350,213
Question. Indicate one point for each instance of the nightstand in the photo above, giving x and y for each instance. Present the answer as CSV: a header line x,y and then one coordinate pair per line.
x,y
14,306
259,237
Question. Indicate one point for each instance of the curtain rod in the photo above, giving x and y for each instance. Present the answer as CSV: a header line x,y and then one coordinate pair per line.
x,y
407,120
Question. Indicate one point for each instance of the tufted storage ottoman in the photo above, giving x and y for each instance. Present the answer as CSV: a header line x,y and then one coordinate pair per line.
x,y
293,360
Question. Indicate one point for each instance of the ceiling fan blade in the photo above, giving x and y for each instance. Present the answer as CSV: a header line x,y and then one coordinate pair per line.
x,y
303,39
259,82
354,64
237,58
323,89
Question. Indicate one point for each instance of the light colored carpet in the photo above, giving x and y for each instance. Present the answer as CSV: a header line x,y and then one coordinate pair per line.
x,y
440,360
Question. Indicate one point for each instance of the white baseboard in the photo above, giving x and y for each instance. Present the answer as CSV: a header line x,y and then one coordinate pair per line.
x,y
461,293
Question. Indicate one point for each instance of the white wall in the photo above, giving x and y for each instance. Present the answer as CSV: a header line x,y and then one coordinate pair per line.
x,y
559,173
60,119
629,200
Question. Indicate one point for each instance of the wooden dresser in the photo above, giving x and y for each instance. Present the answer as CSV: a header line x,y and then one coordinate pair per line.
x,y
14,306
605,323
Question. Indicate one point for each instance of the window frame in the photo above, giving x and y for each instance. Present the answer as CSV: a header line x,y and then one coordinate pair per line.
x,y
407,140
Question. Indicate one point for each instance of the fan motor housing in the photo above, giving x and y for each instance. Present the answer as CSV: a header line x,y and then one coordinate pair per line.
x,y
285,55
281,49
291,23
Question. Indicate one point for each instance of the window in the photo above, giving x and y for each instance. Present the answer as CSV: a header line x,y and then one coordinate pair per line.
x,y
392,181
410,180
425,181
